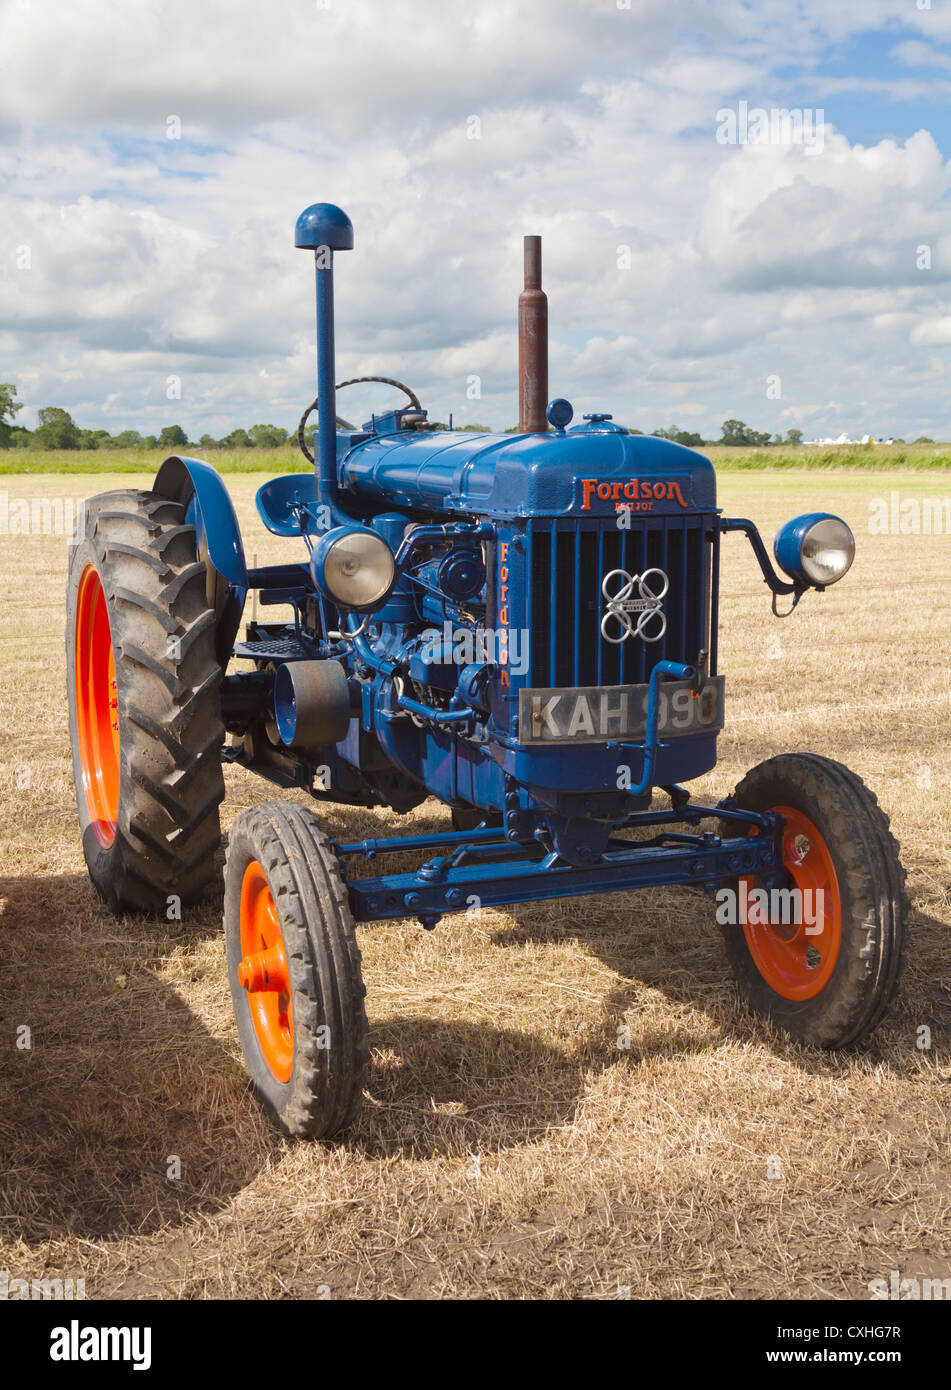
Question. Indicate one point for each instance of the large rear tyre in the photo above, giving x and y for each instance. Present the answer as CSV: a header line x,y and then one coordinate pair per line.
x,y
294,970
144,707
828,978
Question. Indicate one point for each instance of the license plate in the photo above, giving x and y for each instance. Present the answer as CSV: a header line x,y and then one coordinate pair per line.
x,y
617,713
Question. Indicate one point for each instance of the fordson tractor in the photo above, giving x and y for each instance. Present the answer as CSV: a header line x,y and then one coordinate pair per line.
x,y
523,626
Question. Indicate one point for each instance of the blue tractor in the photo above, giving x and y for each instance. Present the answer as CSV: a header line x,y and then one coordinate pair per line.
x,y
521,625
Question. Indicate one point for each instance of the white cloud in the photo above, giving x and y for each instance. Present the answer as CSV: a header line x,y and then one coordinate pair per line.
x,y
151,257
781,217
935,333
916,54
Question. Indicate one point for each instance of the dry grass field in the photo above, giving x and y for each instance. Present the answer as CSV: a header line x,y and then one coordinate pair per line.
x,y
507,1148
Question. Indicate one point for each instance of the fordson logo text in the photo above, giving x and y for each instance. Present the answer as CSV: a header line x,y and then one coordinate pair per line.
x,y
503,613
638,494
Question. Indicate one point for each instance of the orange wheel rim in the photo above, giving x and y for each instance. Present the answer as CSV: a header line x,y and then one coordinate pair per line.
x,y
797,959
263,973
97,706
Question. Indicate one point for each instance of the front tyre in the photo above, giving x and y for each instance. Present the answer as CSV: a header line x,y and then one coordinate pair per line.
x,y
824,962
294,970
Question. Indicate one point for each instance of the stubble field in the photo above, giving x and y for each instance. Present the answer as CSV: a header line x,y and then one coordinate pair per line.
x,y
507,1147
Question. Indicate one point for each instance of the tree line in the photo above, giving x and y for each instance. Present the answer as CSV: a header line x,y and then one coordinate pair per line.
x,y
734,434
56,429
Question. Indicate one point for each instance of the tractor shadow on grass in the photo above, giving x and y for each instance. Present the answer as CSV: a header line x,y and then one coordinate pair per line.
x,y
453,1088
123,1077
667,941
123,1087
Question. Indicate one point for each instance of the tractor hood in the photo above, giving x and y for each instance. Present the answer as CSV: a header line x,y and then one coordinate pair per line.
x,y
592,470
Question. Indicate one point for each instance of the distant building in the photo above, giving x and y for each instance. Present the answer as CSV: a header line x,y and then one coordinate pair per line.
x,y
846,439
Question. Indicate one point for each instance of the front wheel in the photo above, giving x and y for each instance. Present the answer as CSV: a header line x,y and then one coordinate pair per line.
x,y
294,970
820,953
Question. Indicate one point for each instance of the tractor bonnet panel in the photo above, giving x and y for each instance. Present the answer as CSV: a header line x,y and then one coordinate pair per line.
x,y
585,472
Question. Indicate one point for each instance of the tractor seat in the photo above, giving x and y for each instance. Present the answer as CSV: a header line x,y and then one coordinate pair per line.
x,y
278,502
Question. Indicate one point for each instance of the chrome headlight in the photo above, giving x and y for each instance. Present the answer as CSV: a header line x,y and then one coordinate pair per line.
x,y
815,550
354,568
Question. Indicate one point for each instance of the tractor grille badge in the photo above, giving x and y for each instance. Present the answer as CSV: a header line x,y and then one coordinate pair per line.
x,y
619,589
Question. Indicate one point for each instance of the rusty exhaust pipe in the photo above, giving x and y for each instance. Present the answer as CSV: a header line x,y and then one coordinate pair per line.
x,y
532,343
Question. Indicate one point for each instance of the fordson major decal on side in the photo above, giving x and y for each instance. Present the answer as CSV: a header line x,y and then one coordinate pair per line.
x,y
503,647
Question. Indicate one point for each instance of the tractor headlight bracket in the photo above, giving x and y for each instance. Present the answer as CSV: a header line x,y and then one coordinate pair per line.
x,y
815,550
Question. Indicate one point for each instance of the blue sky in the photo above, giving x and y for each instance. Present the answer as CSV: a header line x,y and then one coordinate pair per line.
x,y
148,280
872,63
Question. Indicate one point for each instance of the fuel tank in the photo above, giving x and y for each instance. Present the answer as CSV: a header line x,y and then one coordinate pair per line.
x,y
592,469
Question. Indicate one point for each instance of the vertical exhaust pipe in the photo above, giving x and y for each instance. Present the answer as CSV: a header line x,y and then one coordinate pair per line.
x,y
532,343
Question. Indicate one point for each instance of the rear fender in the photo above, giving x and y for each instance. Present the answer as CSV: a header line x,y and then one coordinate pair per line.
x,y
199,488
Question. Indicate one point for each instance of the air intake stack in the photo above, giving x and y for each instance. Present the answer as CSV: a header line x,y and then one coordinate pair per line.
x,y
324,229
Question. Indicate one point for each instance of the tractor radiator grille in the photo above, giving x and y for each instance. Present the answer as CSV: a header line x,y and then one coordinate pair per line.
x,y
567,563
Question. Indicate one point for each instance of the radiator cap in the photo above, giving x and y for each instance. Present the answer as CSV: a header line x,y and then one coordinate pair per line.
x,y
599,422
